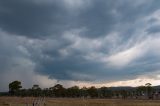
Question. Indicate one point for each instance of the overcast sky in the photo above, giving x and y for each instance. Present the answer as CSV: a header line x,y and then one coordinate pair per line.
x,y
79,42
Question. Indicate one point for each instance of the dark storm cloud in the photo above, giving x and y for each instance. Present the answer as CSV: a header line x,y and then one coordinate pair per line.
x,y
154,29
102,28
64,69
76,65
98,19
33,19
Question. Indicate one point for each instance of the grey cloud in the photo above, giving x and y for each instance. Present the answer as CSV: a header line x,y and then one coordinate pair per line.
x,y
65,68
154,29
33,19
26,22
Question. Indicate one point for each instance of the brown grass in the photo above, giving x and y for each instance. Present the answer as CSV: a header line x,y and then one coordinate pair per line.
x,y
17,101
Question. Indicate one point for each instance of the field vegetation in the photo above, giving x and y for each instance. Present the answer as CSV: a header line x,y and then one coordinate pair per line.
x,y
76,96
58,91
27,101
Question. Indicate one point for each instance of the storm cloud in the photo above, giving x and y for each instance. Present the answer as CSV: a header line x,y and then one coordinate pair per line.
x,y
78,40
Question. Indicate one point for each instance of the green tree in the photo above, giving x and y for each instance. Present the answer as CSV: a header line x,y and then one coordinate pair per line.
x,y
73,91
14,87
83,91
141,90
59,90
92,91
149,89
35,87
105,92
36,90
124,94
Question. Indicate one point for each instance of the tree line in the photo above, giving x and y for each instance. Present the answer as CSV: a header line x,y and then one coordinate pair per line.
x,y
58,91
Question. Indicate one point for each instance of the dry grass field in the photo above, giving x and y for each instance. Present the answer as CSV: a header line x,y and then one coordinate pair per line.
x,y
16,101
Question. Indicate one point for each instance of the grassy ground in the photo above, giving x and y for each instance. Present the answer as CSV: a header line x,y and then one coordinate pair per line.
x,y
15,101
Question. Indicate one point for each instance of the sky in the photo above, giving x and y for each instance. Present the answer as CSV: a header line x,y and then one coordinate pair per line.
x,y
79,42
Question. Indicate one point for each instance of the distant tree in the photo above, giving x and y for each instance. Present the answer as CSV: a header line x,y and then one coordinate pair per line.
x,y
73,91
149,89
105,92
58,86
83,91
124,94
141,90
59,90
36,90
14,87
148,84
92,91
35,87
